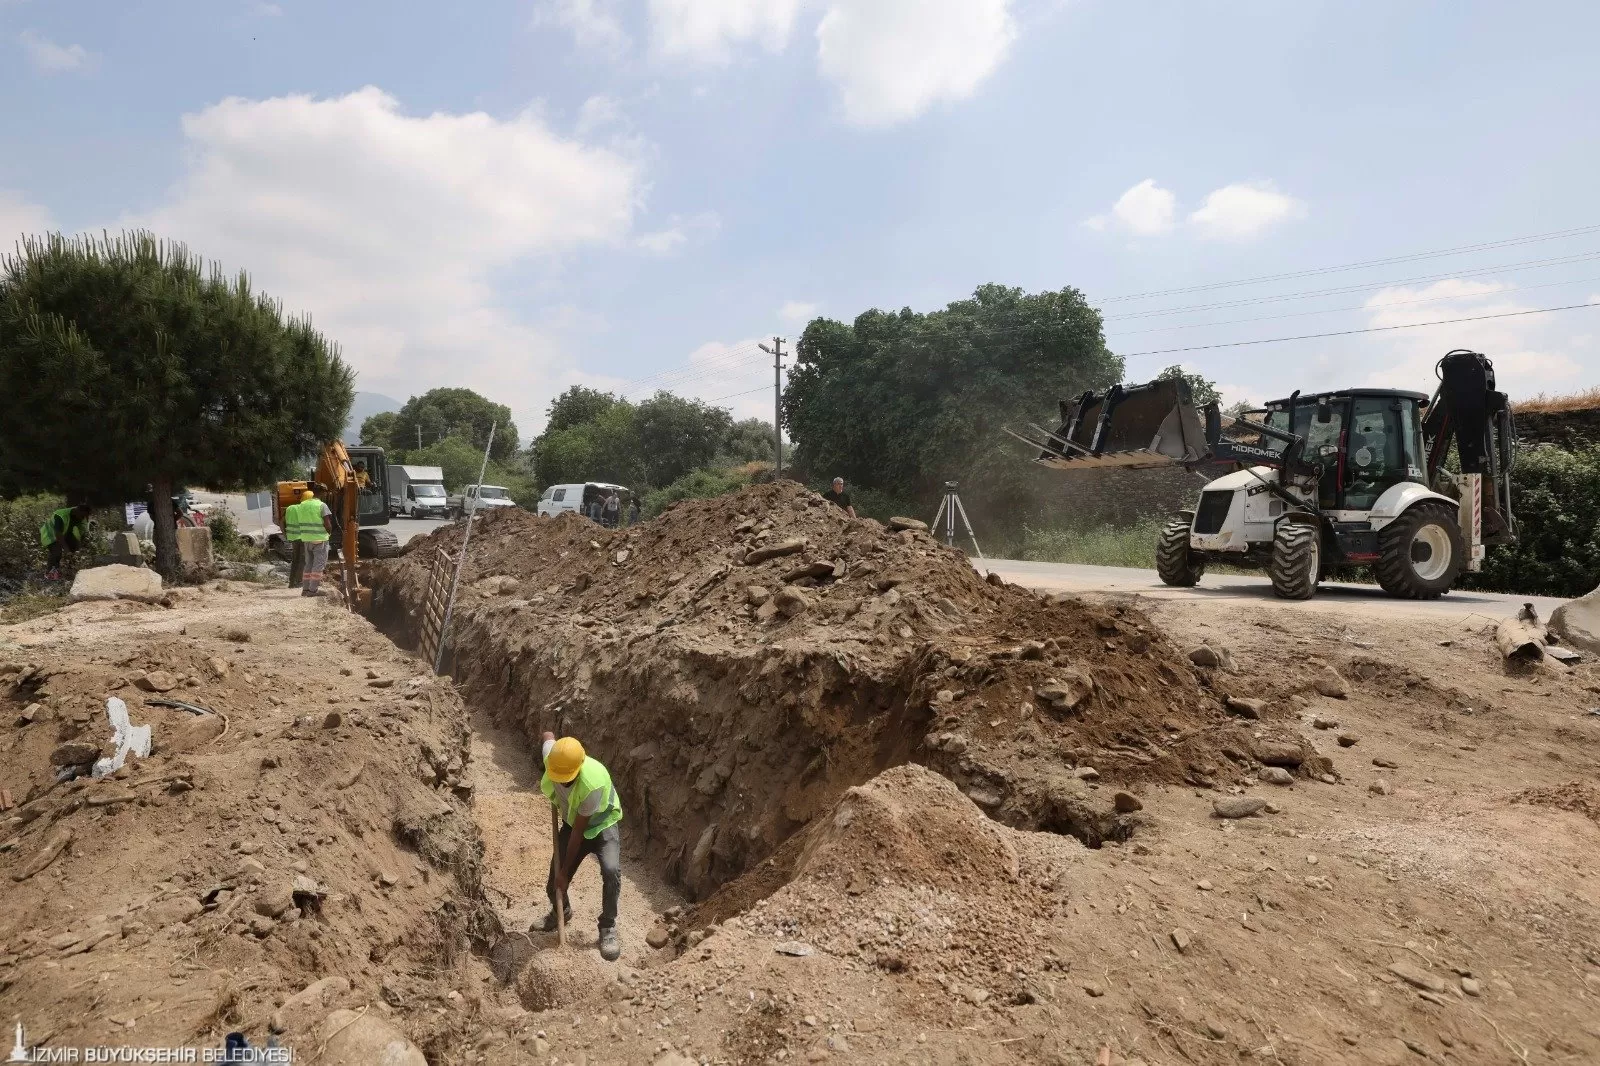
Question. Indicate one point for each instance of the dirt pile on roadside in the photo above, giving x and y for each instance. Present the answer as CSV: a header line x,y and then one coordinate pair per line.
x,y
739,662
304,820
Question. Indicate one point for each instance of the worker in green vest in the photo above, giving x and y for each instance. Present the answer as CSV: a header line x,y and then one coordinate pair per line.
x,y
580,789
311,521
291,533
63,529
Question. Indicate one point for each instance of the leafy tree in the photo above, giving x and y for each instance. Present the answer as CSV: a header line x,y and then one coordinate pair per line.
x,y
606,448
378,430
1555,495
442,413
901,402
1203,390
577,406
676,435
139,370
749,440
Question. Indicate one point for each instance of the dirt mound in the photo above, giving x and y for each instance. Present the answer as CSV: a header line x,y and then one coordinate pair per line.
x,y
1575,796
739,662
557,976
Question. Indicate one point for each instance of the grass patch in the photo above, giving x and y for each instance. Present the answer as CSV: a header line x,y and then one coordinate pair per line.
x,y
1133,545
1586,400
28,605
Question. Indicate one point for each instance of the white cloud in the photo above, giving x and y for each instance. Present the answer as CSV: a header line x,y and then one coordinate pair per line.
x,y
1243,210
893,59
387,227
52,58
269,10
19,217
709,31
1531,353
796,313
679,231
1145,209
593,23
597,113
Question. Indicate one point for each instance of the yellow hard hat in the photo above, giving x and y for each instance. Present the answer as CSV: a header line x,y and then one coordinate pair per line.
x,y
304,493
566,758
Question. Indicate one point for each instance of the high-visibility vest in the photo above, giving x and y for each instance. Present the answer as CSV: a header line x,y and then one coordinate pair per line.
x,y
304,521
47,532
592,775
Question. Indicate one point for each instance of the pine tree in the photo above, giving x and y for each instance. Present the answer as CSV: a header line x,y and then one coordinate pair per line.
x,y
132,369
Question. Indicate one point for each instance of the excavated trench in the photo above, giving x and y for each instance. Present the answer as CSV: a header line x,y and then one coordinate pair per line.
x,y
728,727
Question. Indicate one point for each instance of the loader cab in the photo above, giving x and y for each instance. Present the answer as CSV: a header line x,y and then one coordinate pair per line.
x,y
1366,440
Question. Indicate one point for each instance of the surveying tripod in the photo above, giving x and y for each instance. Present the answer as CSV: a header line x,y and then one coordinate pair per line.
x,y
949,507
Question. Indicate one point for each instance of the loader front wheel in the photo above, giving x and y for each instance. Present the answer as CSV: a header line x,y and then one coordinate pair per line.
x,y
1176,563
1296,560
1420,553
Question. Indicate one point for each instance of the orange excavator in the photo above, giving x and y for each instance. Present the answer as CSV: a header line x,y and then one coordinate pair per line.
x,y
356,486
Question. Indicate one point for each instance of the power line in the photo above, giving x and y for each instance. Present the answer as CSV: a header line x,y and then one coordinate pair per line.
x,y
1343,289
1370,329
1360,307
734,354
731,395
1479,247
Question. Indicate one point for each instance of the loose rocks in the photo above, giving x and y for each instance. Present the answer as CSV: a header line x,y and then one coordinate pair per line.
x,y
1277,775
1245,708
1237,806
349,1038
1126,803
1329,682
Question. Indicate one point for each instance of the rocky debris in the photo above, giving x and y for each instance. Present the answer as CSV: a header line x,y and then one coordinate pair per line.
x,y
1211,658
1276,775
353,1038
46,855
1319,722
899,523
1416,978
1065,691
1237,806
117,582
791,602
813,571
1181,940
1126,803
74,753
1381,787
1245,708
1470,985
1385,764
1330,683
306,1007
774,551
658,937
1577,622
275,901
1348,740
756,595
1278,752
155,681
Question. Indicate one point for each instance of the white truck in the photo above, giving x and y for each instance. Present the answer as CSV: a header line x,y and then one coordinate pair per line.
x,y
417,492
474,497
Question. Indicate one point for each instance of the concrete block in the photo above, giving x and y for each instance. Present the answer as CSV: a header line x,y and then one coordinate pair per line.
x,y
194,547
125,549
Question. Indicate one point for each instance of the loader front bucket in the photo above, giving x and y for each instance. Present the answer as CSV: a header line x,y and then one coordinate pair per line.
x,y
1127,426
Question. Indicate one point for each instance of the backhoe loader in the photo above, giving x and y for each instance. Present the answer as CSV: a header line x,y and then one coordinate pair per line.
x,y
356,484
1321,483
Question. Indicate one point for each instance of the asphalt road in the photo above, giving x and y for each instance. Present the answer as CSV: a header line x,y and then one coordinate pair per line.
x,y
1352,600
406,528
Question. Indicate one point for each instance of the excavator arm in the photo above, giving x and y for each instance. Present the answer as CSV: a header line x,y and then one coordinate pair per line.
x,y
1467,411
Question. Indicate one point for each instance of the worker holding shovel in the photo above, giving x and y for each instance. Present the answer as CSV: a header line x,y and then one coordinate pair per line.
x,y
580,790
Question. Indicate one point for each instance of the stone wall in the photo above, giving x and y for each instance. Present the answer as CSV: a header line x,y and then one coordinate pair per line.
x,y
1564,429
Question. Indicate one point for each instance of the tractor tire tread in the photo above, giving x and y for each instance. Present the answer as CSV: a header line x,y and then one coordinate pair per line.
x,y
1176,564
1393,568
1295,564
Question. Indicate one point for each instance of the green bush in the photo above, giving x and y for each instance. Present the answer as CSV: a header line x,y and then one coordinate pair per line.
x,y
695,485
20,519
226,542
1555,495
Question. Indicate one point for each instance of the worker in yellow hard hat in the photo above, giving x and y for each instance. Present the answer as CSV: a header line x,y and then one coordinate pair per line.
x,y
580,789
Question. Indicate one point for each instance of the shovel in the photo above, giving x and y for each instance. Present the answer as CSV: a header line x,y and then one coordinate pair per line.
x,y
555,857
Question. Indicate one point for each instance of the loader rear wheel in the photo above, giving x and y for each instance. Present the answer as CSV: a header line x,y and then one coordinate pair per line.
x,y
1176,564
1296,560
1420,553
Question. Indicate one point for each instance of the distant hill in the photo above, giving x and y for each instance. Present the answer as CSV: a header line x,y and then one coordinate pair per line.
x,y
366,405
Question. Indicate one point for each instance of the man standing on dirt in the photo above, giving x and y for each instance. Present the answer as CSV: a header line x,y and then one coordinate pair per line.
x,y
297,545
840,498
612,512
314,519
633,511
63,529
580,789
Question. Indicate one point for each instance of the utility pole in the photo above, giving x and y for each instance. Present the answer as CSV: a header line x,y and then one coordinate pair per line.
x,y
776,351
419,436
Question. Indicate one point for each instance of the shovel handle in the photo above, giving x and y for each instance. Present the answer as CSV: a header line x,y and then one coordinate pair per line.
x,y
555,858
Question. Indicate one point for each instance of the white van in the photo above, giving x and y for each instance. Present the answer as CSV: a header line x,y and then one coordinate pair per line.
x,y
558,499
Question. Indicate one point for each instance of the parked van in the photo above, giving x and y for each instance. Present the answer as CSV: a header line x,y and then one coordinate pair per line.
x,y
417,492
558,499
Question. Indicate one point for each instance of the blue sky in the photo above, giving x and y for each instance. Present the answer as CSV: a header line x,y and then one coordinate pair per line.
x,y
519,195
